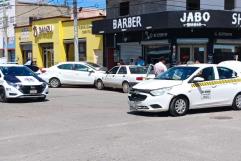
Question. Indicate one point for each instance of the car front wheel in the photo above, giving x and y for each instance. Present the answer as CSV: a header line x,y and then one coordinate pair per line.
x,y
237,102
179,106
54,83
3,97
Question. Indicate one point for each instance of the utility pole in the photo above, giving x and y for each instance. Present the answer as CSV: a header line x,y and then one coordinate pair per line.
x,y
5,32
76,39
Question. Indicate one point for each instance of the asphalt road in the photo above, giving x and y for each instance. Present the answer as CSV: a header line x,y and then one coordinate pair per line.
x,y
83,124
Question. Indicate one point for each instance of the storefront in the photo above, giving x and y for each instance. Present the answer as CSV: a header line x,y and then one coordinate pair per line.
x,y
49,41
207,36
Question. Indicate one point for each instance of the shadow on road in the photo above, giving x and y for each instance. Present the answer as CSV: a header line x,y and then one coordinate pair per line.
x,y
191,112
15,101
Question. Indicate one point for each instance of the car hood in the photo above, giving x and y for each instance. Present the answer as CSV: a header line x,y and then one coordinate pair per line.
x,y
156,84
24,80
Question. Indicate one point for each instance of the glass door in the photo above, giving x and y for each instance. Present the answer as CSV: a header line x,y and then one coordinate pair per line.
x,y
192,54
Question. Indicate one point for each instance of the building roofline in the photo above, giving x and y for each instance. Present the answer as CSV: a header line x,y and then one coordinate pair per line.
x,y
95,17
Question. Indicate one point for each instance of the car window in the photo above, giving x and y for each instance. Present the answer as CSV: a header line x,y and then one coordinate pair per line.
x,y
207,73
66,66
122,70
177,73
80,67
138,70
113,70
225,73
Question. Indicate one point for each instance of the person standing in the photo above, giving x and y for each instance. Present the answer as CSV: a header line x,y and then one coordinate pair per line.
x,y
140,61
160,67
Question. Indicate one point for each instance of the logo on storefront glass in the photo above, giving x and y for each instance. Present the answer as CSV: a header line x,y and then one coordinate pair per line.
x,y
195,19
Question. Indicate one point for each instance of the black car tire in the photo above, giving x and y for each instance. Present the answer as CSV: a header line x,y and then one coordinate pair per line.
x,y
3,97
54,83
125,87
99,84
179,106
237,102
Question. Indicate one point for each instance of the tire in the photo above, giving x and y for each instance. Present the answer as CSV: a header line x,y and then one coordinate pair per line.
x,y
125,87
99,84
237,102
3,97
179,106
54,83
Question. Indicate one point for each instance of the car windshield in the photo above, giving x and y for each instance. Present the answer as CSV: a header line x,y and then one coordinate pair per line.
x,y
17,71
177,73
93,65
138,70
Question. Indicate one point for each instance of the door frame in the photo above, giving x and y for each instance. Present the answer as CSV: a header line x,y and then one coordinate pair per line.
x,y
191,47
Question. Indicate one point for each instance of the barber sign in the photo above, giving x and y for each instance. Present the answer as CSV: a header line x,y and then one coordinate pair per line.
x,y
127,23
195,19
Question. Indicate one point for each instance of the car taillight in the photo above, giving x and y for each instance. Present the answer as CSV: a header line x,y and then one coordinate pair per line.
x,y
139,78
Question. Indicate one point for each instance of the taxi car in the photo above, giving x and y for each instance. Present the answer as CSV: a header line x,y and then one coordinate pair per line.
x,y
72,73
188,87
18,81
124,77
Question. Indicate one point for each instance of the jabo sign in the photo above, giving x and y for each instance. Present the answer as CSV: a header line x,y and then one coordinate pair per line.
x,y
38,30
195,19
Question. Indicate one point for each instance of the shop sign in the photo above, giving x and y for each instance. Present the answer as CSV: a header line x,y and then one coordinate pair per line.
x,y
195,19
127,22
38,30
155,35
85,29
236,19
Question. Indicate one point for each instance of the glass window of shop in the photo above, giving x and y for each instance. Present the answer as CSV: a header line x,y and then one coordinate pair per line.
x,y
226,52
82,51
154,52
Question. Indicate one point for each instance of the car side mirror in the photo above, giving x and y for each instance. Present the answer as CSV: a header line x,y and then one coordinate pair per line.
x,y
198,79
0,76
91,70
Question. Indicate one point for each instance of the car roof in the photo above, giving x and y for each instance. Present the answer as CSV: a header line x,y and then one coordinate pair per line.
x,y
199,65
11,65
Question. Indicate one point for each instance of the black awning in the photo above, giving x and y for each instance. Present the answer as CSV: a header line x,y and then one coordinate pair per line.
x,y
170,20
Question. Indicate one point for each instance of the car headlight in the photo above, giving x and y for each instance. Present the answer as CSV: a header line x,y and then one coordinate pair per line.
x,y
15,85
159,92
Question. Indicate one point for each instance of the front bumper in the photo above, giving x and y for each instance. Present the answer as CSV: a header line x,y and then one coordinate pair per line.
x,y
145,102
12,92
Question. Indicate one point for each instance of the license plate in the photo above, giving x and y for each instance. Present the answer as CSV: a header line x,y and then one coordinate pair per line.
x,y
33,91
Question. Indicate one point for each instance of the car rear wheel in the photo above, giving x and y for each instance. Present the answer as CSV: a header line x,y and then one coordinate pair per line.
x,y
99,84
54,83
237,102
125,87
3,97
179,106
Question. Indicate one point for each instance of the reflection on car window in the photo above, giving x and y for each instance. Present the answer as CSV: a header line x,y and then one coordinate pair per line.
x,y
138,70
207,74
66,66
80,67
17,71
177,73
122,70
113,70
225,73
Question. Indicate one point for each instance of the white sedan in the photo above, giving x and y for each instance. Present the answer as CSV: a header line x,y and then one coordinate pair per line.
x,y
188,87
72,73
18,81
123,77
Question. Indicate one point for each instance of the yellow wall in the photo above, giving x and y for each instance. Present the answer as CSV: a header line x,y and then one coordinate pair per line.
x,y
62,30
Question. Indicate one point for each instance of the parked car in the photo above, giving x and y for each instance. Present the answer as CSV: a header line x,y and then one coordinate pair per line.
x,y
18,81
188,87
72,73
123,77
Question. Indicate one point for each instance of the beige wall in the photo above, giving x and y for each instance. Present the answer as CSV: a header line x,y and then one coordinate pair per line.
x,y
26,10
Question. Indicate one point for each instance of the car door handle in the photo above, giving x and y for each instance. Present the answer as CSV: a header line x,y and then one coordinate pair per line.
x,y
214,86
113,75
124,76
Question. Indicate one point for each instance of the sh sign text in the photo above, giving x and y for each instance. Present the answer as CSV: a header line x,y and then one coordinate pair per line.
x,y
128,22
236,19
